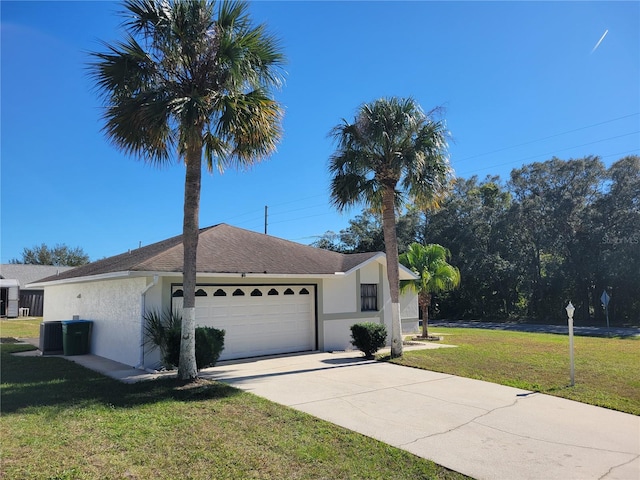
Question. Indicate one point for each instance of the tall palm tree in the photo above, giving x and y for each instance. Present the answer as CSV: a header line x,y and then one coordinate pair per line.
x,y
191,79
436,275
391,153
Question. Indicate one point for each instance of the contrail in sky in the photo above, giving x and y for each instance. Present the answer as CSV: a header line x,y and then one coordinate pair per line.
x,y
600,41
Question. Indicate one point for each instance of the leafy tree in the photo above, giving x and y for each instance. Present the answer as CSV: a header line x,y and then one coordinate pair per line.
x,y
471,223
61,256
391,151
619,240
364,233
436,275
553,211
329,240
191,79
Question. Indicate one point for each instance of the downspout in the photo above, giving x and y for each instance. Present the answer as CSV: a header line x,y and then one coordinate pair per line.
x,y
143,298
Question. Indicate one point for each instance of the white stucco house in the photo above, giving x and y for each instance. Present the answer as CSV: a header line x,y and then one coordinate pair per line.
x,y
270,295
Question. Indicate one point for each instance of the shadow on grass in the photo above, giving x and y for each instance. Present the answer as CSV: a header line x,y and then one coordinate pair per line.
x,y
31,382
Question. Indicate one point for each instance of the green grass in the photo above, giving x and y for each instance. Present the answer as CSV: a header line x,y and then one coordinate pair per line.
x,y
20,328
62,421
606,369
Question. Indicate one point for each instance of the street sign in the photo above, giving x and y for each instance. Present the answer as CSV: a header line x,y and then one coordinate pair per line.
x,y
605,299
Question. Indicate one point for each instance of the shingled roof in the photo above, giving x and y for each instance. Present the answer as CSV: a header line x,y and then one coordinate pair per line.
x,y
225,249
26,273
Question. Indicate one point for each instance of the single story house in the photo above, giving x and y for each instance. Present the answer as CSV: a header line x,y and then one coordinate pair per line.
x,y
14,297
270,295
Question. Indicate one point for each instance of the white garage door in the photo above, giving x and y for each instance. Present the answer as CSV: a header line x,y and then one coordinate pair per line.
x,y
258,320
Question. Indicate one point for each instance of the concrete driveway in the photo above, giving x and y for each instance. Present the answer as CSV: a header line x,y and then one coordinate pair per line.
x,y
481,429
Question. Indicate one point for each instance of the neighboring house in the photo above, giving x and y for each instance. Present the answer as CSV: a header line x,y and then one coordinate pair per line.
x,y
270,295
14,296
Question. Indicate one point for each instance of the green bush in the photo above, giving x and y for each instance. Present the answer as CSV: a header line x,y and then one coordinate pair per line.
x,y
209,346
172,348
368,337
164,331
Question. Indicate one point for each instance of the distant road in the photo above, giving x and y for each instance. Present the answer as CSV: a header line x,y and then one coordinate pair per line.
x,y
525,327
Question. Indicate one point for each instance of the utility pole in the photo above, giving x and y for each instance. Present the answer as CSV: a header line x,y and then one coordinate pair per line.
x,y
266,214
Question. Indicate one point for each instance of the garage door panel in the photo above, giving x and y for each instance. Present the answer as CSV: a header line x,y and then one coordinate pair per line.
x,y
258,325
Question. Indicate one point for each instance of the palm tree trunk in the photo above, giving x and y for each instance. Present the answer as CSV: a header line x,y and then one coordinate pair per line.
x,y
187,368
425,303
393,274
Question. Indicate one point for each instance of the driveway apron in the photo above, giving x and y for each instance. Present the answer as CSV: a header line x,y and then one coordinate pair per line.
x,y
481,429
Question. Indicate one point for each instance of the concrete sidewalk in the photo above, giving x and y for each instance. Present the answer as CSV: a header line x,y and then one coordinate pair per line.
x,y
481,429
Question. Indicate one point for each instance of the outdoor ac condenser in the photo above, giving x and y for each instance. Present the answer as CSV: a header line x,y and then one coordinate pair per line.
x,y
51,338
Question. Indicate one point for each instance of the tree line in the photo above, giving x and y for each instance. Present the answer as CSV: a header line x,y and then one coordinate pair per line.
x,y
59,255
555,231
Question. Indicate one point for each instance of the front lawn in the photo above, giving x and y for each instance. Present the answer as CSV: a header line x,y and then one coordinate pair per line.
x,y
606,369
62,421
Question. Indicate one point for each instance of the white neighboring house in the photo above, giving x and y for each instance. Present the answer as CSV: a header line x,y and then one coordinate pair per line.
x,y
270,295
15,297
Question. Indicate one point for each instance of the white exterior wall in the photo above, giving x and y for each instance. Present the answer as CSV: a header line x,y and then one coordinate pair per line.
x,y
341,306
114,306
370,273
409,312
337,333
339,295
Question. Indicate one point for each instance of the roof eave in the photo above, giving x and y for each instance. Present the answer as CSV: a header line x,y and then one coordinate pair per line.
x,y
103,276
378,256
405,273
266,275
133,274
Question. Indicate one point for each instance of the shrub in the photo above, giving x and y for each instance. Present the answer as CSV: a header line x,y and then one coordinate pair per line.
x,y
368,337
164,331
209,346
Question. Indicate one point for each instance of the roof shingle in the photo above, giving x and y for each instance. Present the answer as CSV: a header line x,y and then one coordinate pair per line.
x,y
225,249
27,273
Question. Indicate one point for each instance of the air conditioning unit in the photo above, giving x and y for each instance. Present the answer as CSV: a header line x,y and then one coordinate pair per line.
x,y
51,338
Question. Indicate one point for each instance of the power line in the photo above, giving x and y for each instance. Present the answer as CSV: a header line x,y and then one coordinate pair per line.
x,y
254,211
552,152
298,209
258,217
548,137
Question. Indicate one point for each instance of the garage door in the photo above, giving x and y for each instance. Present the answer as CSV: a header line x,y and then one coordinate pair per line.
x,y
258,320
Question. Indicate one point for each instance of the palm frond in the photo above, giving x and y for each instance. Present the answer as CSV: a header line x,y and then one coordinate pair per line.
x,y
431,263
145,16
181,75
249,124
393,142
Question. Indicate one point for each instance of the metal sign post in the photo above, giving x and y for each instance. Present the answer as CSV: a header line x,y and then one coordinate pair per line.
x,y
605,304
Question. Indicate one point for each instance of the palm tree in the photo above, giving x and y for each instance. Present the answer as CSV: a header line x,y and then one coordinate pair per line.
x,y
436,275
191,79
391,153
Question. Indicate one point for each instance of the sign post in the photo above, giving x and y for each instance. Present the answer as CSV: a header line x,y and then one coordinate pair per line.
x,y
570,309
605,304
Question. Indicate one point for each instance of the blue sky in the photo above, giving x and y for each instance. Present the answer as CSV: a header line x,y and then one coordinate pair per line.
x,y
520,82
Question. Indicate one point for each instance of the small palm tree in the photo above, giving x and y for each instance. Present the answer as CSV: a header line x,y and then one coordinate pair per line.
x,y
191,79
391,153
436,275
